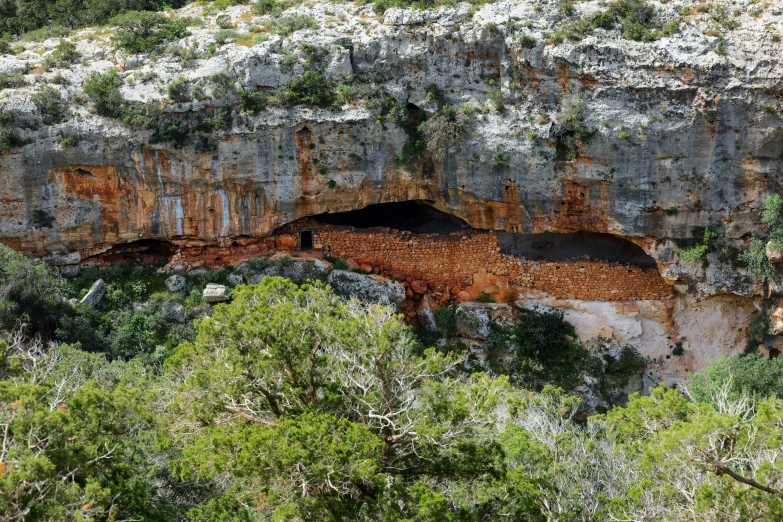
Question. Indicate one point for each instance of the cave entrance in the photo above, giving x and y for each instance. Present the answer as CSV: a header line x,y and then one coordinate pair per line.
x,y
145,251
550,246
774,353
418,217
306,240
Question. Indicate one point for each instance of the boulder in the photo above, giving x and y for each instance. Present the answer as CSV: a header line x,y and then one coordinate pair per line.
x,y
420,287
96,293
472,322
236,279
173,312
214,293
298,270
425,313
774,253
256,278
176,283
776,320
367,288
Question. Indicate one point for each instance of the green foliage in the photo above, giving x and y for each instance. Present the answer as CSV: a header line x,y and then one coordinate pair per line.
x,y
29,294
637,18
62,57
8,137
744,375
103,91
548,349
445,130
50,104
310,368
179,90
69,141
289,24
311,88
704,238
527,41
337,264
267,7
500,160
251,102
145,31
46,19
570,131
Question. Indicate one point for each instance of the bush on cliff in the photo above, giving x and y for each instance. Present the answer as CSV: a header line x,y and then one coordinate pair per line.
x,y
103,90
444,131
145,31
311,88
50,104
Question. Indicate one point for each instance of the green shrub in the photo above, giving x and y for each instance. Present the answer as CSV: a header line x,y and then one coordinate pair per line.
x,y
179,90
43,218
309,89
50,104
705,239
527,42
267,7
103,90
548,348
251,102
225,35
500,160
63,56
70,141
144,31
337,264
224,21
288,25
8,138
570,130
637,18
750,374
448,128
12,81
29,293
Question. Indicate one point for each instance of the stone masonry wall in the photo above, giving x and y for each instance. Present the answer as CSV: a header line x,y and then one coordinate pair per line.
x,y
470,261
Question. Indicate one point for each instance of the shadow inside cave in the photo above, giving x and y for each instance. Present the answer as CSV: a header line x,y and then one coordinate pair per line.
x,y
549,246
410,216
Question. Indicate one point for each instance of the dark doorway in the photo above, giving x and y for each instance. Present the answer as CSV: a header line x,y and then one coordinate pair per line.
x,y
412,216
306,240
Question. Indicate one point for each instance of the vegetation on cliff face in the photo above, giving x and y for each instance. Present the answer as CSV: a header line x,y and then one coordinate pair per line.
x,y
290,403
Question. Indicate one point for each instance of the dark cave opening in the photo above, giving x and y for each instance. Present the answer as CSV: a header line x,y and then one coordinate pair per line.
x,y
146,251
411,216
550,246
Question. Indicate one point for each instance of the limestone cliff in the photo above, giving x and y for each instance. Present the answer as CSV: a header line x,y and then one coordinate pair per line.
x,y
681,132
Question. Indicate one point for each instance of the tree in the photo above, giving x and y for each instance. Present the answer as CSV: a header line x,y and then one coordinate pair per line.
x,y
30,295
68,443
319,404
144,31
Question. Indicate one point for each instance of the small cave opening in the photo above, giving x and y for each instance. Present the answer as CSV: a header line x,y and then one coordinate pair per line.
x,y
146,251
550,246
411,216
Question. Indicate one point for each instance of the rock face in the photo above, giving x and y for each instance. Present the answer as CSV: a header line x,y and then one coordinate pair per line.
x,y
371,289
95,294
685,132
176,283
215,293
